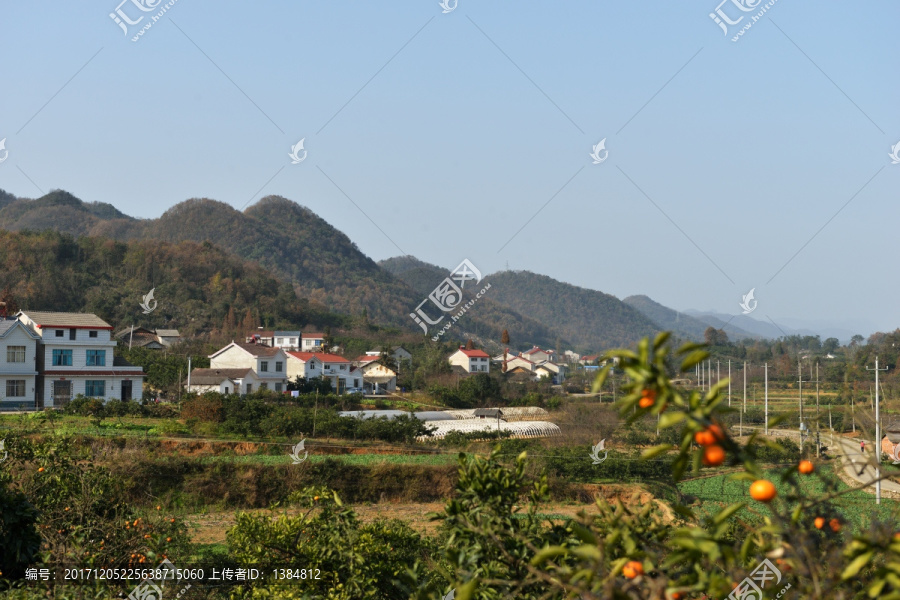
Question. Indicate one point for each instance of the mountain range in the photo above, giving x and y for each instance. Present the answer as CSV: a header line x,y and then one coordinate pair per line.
x,y
330,275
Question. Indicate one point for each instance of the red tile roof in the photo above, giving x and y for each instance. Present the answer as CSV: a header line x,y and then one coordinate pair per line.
x,y
307,336
474,353
322,356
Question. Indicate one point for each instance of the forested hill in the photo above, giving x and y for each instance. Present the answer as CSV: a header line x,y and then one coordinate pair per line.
x,y
588,320
682,324
282,236
199,289
487,320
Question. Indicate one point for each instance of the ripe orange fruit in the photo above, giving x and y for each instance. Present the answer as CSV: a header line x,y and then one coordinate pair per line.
x,y
315,498
168,539
897,536
704,438
763,490
835,525
41,470
806,467
713,455
820,522
158,507
632,569
648,399
709,436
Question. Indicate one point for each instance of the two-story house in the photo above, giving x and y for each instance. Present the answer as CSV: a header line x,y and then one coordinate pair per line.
x,y
337,369
286,340
536,355
473,361
375,376
75,356
268,366
18,364
312,342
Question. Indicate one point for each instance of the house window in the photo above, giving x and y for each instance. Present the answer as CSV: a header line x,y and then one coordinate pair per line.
x,y
96,358
293,342
95,388
227,390
60,333
62,358
264,386
264,366
279,366
279,341
15,354
72,334
356,383
343,367
318,343
15,388
278,388
92,334
327,367
474,368
249,387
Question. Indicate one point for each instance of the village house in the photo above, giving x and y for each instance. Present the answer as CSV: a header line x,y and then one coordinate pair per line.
x,y
337,369
18,364
398,353
224,381
473,361
536,355
312,342
268,366
376,376
141,337
75,356
286,340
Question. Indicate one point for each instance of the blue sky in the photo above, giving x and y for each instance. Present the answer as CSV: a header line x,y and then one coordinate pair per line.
x,y
451,131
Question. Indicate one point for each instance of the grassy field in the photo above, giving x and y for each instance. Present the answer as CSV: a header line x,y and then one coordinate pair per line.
x,y
857,507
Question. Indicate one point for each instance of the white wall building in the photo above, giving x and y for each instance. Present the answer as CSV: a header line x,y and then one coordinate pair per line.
x,y
75,356
337,369
473,361
224,381
310,342
18,364
269,365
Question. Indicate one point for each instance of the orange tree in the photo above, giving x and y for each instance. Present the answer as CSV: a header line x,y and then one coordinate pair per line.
x,y
633,552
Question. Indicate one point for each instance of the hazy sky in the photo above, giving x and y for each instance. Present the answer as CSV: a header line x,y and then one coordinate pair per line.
x,y
452,131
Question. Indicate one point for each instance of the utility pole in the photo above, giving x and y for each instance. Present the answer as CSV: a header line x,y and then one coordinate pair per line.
x,y
189,375
729,383
745,386
767,399
800,379
718,373
877,448
817,409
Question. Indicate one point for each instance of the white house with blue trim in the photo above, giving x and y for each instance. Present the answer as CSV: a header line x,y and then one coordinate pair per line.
x,y
75,356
